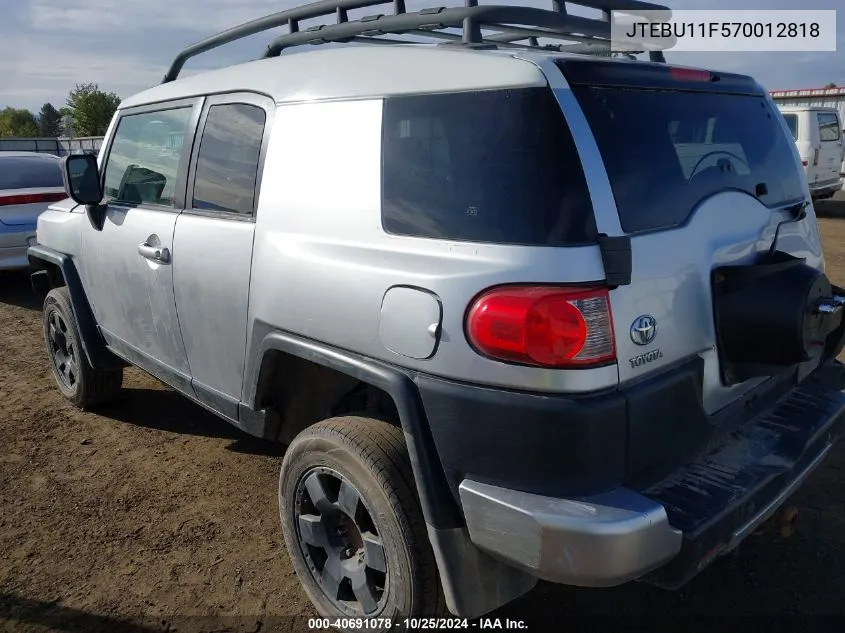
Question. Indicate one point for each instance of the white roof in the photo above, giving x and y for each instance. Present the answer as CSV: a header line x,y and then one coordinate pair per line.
x,y
355,72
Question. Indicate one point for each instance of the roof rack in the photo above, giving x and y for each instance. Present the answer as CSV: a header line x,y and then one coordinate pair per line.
x,y
512,26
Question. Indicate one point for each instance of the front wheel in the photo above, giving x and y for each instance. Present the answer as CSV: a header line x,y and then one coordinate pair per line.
x,y
353,525
77,380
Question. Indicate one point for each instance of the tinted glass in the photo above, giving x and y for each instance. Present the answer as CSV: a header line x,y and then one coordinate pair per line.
x,y
29,172
143,163
227,165
666,151
494,166
828,126
792,124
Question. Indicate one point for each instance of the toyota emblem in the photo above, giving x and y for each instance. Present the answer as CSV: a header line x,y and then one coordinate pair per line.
x,y
644,329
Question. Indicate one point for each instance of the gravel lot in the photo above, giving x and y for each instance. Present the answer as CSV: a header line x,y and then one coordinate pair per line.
x,y
153,515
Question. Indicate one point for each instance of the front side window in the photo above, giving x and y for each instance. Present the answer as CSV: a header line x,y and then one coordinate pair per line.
x,y
227,164
828,126
495,166
143,164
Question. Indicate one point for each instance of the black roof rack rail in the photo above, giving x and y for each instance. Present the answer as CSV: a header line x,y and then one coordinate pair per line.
x,y
513,26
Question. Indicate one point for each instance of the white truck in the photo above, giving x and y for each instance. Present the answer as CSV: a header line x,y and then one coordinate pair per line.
x,y
818,133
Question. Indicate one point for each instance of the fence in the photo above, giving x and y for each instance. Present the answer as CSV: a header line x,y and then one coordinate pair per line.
x,y
50,145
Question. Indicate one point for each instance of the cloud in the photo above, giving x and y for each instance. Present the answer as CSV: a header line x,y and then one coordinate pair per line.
x,y
46,46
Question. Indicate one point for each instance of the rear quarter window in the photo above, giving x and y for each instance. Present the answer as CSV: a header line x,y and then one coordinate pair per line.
x,y
25,172
828,126
493,166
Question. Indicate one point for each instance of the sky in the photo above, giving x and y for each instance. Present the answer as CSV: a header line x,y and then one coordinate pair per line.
x,y
125,46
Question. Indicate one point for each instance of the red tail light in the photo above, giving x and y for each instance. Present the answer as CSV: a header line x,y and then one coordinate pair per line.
x,y
543,326
31,198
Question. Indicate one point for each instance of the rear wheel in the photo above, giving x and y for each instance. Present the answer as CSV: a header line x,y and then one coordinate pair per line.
x,y
80,383
353,525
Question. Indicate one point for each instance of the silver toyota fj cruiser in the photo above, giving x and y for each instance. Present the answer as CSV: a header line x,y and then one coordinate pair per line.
x,y
519,311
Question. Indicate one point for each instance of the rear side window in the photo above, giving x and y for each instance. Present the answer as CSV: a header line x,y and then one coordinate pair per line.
x,y
493,166
792,124
666,151
29,172
227,164
828,126
143,163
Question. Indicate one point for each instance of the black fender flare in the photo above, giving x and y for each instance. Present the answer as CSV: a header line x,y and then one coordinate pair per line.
x,y
473,582
93,344
438,505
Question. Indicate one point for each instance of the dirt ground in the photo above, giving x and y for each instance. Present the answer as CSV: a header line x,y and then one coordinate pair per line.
x,y
153,515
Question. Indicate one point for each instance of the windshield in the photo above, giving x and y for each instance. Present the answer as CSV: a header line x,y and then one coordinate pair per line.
x,y
666,151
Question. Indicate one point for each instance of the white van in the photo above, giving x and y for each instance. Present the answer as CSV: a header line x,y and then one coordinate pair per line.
x,y
818,134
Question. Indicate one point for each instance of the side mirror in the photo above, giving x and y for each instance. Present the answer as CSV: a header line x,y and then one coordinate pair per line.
x,y
82,179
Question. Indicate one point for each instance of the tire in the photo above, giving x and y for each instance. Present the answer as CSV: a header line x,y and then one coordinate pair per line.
x,y
324,469
80,383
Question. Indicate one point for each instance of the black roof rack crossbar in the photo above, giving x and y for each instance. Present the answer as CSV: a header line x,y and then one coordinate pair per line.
x,y
515,26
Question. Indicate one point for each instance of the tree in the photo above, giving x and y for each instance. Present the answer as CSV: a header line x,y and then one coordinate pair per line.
x,y
49,121
15,122
91,109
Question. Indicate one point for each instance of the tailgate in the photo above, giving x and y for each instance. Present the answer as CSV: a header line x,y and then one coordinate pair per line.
x,y
702,170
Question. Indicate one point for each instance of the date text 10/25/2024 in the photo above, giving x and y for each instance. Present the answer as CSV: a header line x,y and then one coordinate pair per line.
x,y
415,624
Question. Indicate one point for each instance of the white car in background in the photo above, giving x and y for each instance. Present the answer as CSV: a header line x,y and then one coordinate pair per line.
x,y
818,134
29,182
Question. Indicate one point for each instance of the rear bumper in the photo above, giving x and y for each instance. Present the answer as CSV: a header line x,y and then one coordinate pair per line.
x,y
827,188
14,240
629,484
670,531
595,541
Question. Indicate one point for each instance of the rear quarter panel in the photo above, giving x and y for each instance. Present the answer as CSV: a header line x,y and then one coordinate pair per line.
x,y
322,264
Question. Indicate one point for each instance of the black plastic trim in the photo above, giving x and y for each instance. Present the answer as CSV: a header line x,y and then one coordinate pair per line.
x,y
439,508
717,499
93,344
617,260
176,379
220,402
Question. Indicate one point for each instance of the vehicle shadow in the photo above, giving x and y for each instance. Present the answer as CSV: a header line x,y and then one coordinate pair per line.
x,y
832,207
16,290
166,410
56,617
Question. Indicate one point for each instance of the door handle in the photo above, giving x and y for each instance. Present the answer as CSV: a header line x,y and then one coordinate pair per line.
x,y
155,253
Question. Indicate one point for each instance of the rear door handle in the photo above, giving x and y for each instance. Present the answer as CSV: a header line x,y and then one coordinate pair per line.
x,y
155,253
